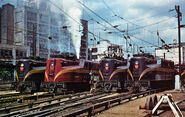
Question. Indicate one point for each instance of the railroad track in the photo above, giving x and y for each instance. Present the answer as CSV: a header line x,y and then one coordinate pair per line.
x,y
5,86
96,106
9,99
73,104
8,94
44,105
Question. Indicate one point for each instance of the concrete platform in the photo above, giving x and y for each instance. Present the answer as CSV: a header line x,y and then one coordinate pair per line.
x,y
131,109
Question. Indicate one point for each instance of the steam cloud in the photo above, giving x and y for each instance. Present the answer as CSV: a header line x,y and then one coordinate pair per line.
x,y
63,39
73,9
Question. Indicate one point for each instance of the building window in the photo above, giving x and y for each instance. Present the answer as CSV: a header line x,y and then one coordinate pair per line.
x,y
94,56
94,49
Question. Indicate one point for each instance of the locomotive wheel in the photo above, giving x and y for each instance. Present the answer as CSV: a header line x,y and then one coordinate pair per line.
x,y
107,88
52,89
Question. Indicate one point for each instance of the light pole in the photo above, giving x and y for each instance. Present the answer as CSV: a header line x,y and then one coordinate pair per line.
x,y
179,38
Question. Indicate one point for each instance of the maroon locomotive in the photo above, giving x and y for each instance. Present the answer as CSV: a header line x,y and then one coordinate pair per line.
x,y
150,72
62,74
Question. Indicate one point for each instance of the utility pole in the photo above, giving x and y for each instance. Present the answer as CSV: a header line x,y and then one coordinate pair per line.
x,y
177,8
158,37
127,40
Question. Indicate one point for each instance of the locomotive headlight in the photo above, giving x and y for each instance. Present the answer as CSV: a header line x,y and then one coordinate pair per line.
x,y
107,66
136,64
22,67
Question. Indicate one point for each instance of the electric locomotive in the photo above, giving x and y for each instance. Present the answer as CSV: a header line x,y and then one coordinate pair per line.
x,y
113,73
69,75
150,72
29,75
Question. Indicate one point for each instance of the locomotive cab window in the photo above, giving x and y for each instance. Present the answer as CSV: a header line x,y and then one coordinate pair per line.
x,y
81,63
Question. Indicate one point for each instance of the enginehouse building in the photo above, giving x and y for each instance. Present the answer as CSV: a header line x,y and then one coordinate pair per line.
x,y
171,53
104,48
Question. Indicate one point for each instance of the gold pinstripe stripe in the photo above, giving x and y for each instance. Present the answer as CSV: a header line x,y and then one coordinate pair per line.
x,y
117,71
182,73
101,75
46,76
17,77
130,73
33,72
155,69
74,70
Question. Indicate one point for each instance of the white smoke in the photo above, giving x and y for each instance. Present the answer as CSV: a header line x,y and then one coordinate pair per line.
x,y
73,9
73,13
70,38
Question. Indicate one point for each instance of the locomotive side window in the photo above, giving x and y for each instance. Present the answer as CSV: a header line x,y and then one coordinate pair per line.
x,y
81,63
86,65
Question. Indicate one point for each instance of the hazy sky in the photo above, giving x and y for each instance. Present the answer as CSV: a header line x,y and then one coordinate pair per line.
x,y
143,18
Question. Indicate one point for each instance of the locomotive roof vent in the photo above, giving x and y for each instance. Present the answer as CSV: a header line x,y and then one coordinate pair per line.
x,y
65,55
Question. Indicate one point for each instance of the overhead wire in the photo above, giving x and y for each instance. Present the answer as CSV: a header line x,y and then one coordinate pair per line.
x,y
130,21
136,24
138,19
99,16
104,20
72,18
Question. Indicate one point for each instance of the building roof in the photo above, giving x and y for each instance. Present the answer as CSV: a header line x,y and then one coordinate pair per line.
x,y
172,45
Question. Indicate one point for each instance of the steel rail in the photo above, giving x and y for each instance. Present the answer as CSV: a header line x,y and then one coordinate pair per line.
x,y
31,105
90,109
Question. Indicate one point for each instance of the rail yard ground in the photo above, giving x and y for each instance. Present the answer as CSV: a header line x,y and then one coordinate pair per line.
x,y
127,108
131,109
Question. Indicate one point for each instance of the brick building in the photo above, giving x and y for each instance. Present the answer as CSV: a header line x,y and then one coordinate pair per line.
x,y
7,24
84,40
36,23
